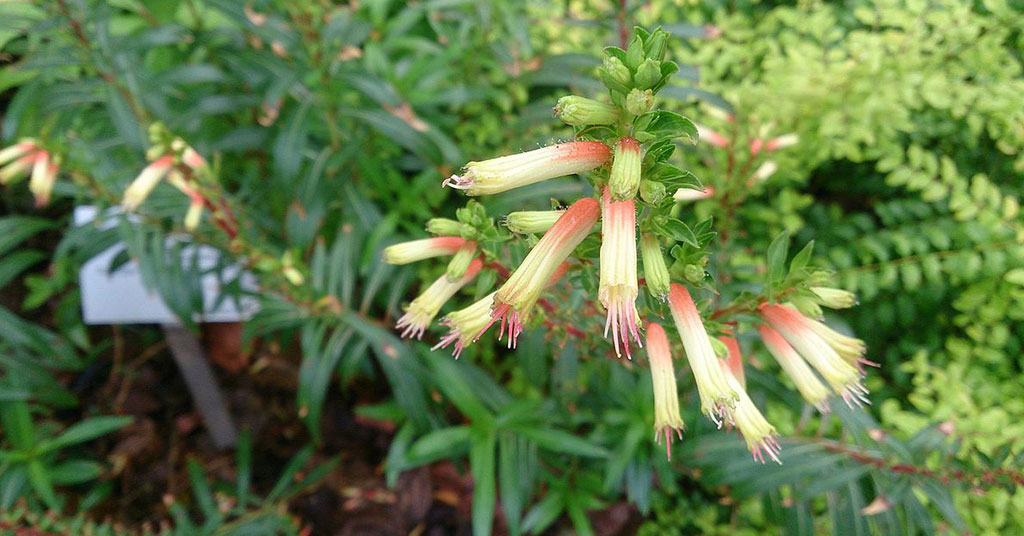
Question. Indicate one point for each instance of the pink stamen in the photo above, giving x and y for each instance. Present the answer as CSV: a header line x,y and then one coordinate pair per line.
x,y
507,316
457,182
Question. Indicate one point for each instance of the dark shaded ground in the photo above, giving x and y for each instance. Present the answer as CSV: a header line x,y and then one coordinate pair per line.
x,y
149,458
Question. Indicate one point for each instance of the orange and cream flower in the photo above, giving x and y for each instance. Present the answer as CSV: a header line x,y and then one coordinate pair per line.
x,y
757,432
717,398
687,195
618,285
143,185
807,383
666,398
532,221
44,175
426,248
464,324
843,377
507,172
423,309
514,301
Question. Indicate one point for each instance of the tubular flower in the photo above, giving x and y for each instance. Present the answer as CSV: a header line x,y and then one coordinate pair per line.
x,y
464,324
424,308
443,226
666,397
764,171
843,377
755,429
460,262
532,221
624,180
618,288
810,387
192,159
711,137
515,299
507,172
655,271
581,111
44,175
835,298
426,248
18,159
143,185
782,142
717,398
689,194
849,348
734,360
197,201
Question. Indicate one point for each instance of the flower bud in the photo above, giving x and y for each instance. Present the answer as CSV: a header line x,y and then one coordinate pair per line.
x,y
647,74
652,191
656,45
581,111
532,221
625,176
639,102
444,227
616,74
460,262
655,272
835,298
693,273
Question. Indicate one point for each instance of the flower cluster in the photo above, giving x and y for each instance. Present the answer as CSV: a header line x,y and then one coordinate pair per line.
x,y
623,148
174,160
28,158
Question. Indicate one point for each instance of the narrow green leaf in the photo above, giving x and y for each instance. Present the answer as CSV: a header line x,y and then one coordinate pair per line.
x,y
86,430
481,463
444,443
777,252
563,442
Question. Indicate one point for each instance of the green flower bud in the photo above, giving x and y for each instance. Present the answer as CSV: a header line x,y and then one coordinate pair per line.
x,y
444,227
693,273
460,262
652,191
656,45
580,111
532,221
647,74
625,176
639,102
655,272
834,298
618,73
808,306
635,53
721,350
